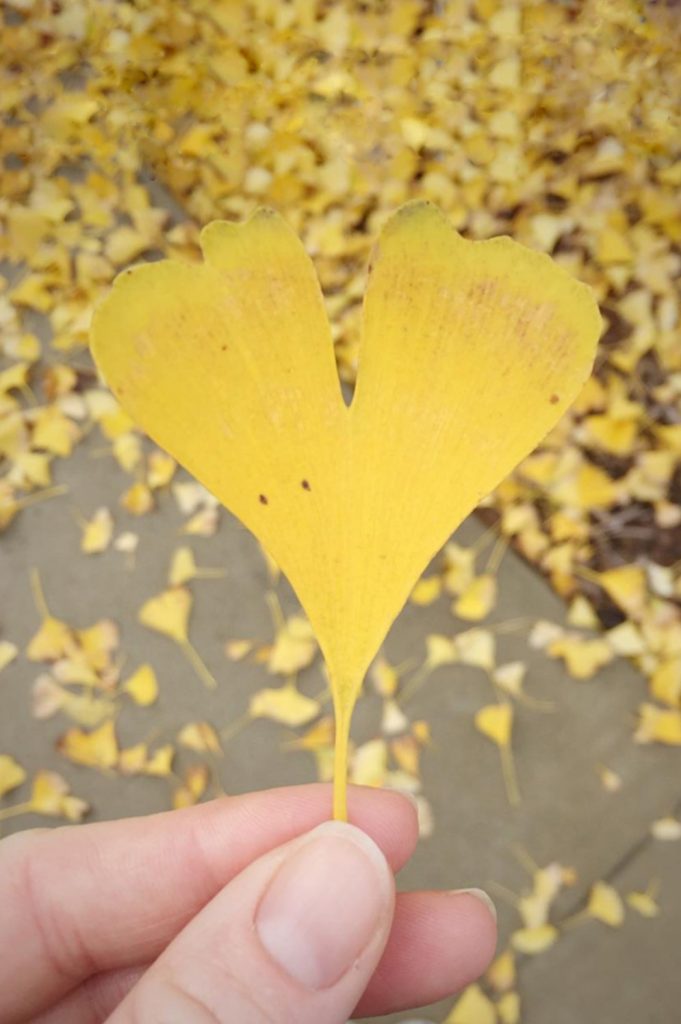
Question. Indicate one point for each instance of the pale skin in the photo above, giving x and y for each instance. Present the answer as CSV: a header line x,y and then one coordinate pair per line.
x,y
157,919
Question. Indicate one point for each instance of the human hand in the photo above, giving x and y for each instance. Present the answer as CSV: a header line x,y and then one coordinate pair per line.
x,y
231,911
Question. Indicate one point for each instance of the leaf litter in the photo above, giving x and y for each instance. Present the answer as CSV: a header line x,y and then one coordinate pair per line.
x,y
596,507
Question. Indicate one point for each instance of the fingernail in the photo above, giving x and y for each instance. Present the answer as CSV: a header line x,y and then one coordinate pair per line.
x,y
324,904
479,894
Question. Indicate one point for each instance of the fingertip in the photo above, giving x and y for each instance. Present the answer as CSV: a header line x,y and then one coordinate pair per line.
x,y
440,942
478,916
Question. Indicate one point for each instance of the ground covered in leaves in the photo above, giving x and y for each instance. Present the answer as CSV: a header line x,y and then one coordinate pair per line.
x,y
128,125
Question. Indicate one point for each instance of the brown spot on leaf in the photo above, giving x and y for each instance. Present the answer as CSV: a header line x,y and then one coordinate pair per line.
x,y
305,484
554,398
262,498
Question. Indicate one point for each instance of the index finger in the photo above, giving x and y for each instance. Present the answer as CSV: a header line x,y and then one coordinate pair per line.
x,y
90,898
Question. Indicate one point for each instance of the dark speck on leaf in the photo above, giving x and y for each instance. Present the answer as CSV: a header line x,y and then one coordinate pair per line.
x,y
262,498
305,484
223,348
553,399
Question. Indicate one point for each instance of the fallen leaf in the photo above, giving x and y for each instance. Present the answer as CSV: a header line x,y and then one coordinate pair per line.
x,y
478,599
605,904
200,737
508,1008
168,613
95,749
667,829
97,532
142,686
532,941
183,569
472,1007
8,652
11,774
643,903
285,705
194,786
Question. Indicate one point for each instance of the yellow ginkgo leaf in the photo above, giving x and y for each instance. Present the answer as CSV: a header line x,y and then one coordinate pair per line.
x,y
508,1008
294,644
138,499
477,600
11,774
135,760
97,643
426,590
236,650
385,677
501,974
97,532
476,647
658,726
644,903
495,721
285,704
605,904
472,1007
459,567
534,940
470,352
161,761
193,788
168,613
201,737
665,684
54,638
83,708
440,650
626,585
583,656
96,749
161,470
50,796
183,569
142,686
667,829
369,763
8,652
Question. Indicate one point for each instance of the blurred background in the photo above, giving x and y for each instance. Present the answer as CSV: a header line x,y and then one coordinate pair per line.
x,y
529,695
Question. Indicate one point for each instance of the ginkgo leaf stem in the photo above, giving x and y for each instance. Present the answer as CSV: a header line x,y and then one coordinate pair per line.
x,y
510,625
484,539
44,495
15,810
496,555
342,714
524,859
509,773
39,595
198,664
235,727
275,610
414,684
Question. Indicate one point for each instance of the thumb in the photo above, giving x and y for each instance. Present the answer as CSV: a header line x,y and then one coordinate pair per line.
x,y
294,938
